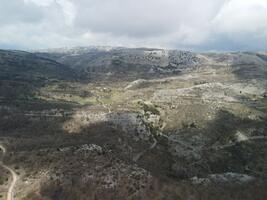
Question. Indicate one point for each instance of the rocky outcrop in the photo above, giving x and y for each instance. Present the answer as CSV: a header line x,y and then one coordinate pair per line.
x,y
140,83
229,177
124,61
131,123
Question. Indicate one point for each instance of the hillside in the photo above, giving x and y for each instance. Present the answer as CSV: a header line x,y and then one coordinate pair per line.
x,y
23,73
108,123
123,62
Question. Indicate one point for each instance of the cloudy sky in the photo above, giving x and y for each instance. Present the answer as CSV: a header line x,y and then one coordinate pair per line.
x,y
200,25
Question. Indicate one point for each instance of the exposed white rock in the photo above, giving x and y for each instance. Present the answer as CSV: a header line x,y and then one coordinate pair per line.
x,y
131,123
240,137
254,87
136,84
228,177
90,147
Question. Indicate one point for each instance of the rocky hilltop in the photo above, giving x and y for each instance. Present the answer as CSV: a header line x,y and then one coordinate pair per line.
x,y
121,62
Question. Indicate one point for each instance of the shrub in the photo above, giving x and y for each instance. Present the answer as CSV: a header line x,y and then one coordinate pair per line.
x,y
2,180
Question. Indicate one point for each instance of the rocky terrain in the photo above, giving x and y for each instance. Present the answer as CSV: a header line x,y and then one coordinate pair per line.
x,y
120,123
123,62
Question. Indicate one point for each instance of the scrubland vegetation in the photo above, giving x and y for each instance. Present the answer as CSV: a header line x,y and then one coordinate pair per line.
x,y
134,124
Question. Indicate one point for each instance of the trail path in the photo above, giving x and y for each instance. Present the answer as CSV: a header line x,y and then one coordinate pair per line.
x,y
138,156
14,176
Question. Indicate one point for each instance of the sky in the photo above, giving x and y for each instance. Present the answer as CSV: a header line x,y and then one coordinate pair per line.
x,y
197,25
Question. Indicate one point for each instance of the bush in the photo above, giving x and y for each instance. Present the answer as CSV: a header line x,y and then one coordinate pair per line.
x,y
2,180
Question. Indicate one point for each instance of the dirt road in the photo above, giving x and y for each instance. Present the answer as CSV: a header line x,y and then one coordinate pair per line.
x,y
14,176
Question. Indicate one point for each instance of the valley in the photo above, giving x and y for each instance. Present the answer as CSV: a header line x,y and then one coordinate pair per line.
x,y
109,123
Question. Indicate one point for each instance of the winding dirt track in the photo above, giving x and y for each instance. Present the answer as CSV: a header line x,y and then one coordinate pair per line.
x,y
14,176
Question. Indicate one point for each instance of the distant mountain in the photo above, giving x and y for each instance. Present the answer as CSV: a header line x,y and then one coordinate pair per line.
x,y
150,62
22,65
246,65
21,72
144,62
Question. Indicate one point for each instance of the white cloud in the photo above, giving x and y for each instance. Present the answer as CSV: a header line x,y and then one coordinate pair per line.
x,y
69,11
243,22
144,18
247,16
206,24
66,7
40,2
